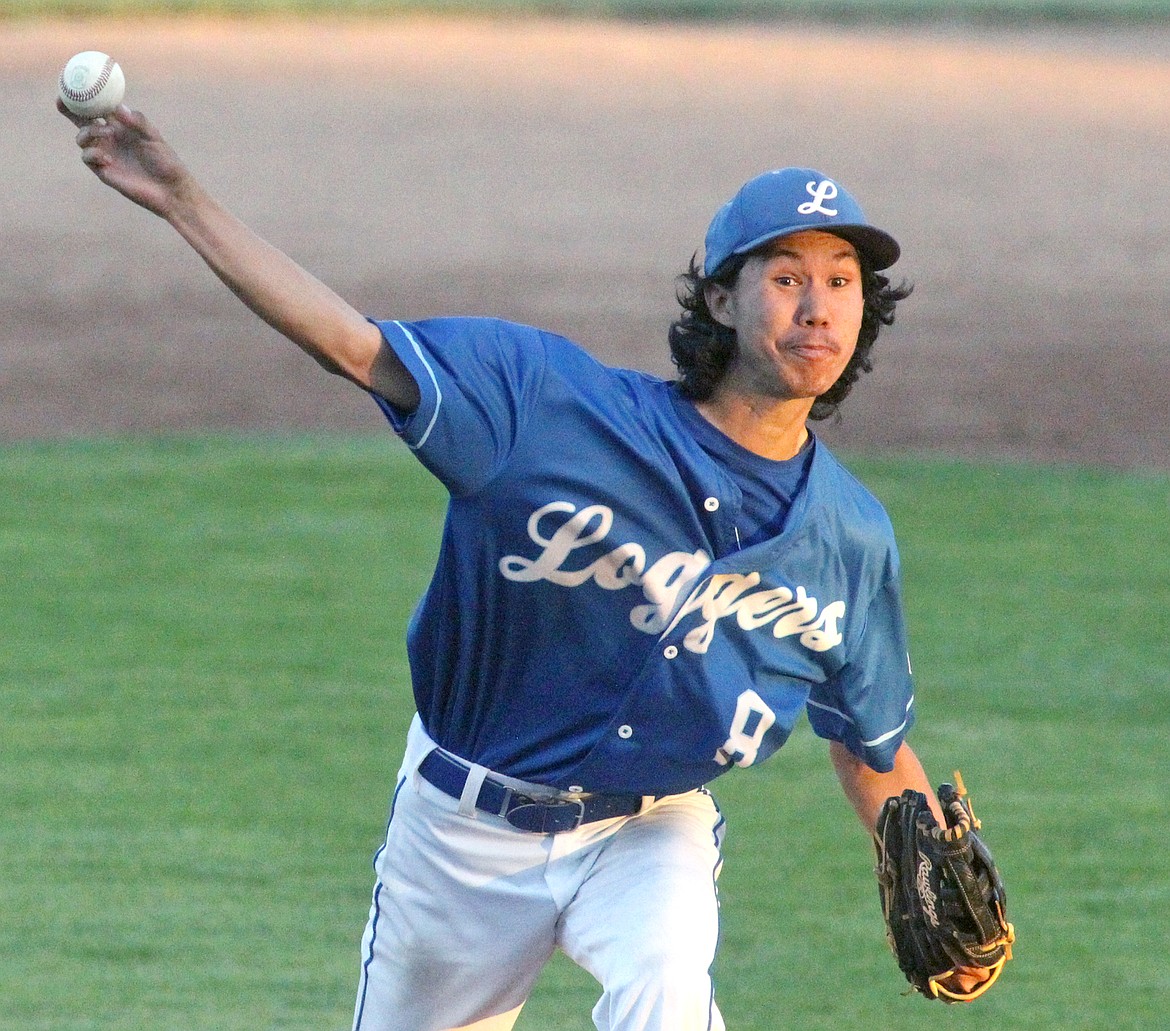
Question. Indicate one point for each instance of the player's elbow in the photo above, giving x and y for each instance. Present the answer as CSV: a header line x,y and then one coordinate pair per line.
x,y
350,352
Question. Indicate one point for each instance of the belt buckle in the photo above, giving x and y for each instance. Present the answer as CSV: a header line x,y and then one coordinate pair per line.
x,y
553,816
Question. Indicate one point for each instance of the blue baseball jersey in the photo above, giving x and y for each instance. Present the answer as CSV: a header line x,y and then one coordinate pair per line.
x,y
597,620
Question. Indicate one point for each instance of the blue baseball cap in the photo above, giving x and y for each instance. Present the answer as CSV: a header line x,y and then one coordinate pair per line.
x,y
789,200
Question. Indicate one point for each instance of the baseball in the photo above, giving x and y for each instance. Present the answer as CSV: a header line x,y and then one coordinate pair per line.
x,y
92,84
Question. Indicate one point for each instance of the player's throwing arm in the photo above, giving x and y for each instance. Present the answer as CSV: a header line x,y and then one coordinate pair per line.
x,y
126,152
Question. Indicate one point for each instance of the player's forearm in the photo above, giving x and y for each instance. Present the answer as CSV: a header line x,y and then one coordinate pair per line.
x,y
867,790
275,287
125,151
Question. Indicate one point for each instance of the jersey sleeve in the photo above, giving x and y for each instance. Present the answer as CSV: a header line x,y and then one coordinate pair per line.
x,y
478,381
868,705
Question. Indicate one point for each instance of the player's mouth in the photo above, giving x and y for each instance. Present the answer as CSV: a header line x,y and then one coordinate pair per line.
x,y
811,348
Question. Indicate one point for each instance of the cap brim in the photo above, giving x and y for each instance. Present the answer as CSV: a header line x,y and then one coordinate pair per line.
x,y
879,248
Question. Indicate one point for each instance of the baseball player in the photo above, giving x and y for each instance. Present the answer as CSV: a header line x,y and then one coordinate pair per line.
x,y
641,585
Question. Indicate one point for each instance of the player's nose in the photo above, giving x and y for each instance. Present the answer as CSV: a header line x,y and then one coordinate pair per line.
x,y
813,309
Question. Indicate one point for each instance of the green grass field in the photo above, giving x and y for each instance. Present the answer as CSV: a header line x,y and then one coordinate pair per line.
x,y
204,697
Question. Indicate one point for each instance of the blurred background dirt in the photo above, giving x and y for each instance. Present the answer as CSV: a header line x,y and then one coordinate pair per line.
x,y
564,173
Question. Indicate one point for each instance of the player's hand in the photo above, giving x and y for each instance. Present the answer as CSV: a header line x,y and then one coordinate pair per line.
x,y
127,153
965,979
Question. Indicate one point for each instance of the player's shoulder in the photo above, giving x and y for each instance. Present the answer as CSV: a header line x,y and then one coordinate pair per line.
x,y
501,333
858,508
551,364
583,372
471,332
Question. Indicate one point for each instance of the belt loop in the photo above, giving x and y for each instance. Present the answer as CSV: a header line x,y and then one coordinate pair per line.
x,y
475,778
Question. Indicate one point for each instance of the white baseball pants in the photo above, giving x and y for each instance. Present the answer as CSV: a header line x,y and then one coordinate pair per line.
x,y
467,910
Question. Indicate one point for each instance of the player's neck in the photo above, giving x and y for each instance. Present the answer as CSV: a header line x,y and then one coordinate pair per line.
x,y
768,427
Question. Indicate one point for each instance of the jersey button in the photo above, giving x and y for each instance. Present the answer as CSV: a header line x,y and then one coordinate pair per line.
x,y
670,651
711,504
625,731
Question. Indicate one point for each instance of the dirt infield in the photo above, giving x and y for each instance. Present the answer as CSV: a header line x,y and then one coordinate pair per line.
x,y
563,174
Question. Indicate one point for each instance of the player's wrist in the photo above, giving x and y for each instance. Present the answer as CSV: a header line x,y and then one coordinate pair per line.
x,y
189,208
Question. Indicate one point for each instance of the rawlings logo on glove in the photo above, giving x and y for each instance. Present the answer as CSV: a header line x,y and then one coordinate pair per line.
x,y
942,897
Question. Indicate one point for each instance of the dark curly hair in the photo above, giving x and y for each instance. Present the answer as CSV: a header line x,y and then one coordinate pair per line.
x,y
702,349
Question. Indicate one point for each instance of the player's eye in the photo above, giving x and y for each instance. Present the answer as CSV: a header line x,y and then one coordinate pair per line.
x,y
784,280
839,281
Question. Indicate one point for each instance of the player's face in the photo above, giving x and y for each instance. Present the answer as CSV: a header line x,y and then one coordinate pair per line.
x,y
796,309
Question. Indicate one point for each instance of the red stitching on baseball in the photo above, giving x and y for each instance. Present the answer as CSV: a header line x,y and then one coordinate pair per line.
x,y
94,88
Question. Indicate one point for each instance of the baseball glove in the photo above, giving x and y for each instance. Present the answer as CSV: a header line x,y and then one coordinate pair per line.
x,y
941,894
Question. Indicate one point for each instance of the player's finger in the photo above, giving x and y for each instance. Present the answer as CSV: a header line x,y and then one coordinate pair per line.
x,y
95,158
137,123
966,979
75,119
976,974
94,139
90,131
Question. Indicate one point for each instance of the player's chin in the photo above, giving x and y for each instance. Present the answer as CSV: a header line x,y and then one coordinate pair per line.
x,y
811,380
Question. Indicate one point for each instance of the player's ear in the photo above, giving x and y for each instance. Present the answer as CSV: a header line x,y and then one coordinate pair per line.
x,y
720,303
